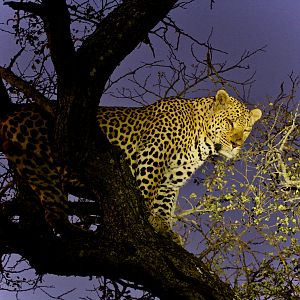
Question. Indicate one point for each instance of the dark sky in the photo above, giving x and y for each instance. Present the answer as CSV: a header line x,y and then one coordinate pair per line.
x,y
237,26
248,25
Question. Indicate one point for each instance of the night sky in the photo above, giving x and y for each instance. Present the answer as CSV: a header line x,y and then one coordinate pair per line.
x,y
237,26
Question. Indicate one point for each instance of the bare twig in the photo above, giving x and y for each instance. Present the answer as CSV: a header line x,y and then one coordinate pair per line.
x,y
24,87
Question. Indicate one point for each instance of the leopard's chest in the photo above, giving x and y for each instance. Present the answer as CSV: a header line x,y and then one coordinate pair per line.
x,y
183,164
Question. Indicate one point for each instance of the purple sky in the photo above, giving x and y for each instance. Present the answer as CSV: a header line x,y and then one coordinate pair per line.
x,y
238,26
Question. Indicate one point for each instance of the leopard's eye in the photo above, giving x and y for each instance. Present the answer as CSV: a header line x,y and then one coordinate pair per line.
x,y
230,123
247,130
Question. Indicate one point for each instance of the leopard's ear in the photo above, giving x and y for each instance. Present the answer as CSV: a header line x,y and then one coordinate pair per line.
x,y
255,115
222,100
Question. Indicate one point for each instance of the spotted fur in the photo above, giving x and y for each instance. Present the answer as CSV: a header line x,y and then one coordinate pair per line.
x,y
25,136
164,144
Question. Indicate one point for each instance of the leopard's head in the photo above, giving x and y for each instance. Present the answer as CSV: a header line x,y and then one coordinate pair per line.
x,y
230,123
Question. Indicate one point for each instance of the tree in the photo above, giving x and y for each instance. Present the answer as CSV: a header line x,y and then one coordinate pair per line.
x,y
126,246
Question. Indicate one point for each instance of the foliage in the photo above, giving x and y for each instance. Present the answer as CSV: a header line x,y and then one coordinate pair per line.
x,y
246,217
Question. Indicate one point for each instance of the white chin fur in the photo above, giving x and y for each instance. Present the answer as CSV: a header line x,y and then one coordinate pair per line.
x,y
229,153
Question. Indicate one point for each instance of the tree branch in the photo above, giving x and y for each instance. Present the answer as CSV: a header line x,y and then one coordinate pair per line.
x,y
116,36
167,271
56,18
57,21
24,87
29,7
6,104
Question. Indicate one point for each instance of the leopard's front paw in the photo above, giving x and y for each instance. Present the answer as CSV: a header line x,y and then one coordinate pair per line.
x,y
165,229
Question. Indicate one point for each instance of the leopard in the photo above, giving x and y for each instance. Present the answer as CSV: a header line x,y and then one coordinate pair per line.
x,y
26,135
164,144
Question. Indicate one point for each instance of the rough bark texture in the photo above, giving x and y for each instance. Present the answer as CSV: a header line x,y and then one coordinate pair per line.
x,y
125,246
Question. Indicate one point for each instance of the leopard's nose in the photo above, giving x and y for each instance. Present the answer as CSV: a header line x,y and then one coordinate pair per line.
x,y
236,143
